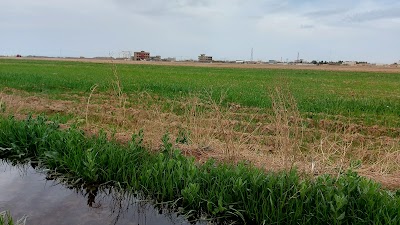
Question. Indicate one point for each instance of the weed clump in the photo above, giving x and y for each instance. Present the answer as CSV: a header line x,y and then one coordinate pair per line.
x,y
240,192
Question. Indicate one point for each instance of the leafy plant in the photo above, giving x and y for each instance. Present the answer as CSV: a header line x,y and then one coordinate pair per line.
x,y
240,193
183,136
6,219
3,106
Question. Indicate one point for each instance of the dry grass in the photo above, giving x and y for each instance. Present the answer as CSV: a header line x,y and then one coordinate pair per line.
x,y
92,89
273,139
287,124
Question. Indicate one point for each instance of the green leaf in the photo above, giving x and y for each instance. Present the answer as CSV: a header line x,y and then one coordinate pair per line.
x,y
51,154
341,217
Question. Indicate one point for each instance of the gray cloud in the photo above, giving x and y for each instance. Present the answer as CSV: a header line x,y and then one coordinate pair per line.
x,y
222,28
307,26
325,13
160,8
390,13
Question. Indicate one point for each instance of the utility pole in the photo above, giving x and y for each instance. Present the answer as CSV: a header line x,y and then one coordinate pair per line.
x,y
251,57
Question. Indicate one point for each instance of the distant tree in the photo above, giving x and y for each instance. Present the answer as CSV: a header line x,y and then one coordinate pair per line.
x,y
314,62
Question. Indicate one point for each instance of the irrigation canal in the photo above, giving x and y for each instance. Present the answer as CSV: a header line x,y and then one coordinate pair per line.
x,y
25,191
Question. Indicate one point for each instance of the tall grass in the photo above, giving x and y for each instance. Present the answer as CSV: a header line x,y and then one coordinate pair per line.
x,y
240,192
275,139
287,123
6,219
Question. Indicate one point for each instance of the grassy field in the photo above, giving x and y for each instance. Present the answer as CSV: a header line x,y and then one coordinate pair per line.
x,y
317,121
365,97
239,193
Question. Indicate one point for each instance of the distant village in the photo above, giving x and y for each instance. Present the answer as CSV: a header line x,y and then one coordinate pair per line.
x,y
203,58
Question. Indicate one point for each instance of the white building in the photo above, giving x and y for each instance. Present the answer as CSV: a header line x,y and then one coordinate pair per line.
x,y
205,58
350,63
271,61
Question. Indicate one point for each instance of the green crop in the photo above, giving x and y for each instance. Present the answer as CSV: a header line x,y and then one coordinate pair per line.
x,y
230,192
371,97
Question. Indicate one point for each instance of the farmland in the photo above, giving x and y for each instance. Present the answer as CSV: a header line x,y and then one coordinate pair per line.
x,y
316,121
366,102
373,98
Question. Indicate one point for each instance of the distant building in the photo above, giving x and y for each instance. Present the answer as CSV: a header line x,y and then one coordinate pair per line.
x,y
169,59
125,55
155,58
142,55
103,58
272,61
205,58
349,63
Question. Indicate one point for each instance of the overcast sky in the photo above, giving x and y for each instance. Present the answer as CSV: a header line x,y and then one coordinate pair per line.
x,y
363,30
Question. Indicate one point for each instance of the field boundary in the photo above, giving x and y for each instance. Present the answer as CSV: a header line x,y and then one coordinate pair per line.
x,y
363,68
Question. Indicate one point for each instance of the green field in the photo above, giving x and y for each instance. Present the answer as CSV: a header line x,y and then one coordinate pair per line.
x,y
365,97
81,140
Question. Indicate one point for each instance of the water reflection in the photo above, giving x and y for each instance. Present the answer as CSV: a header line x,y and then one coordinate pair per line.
x,y
26,191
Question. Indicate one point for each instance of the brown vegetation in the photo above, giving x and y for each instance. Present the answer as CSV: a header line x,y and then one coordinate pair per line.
x,y
274,139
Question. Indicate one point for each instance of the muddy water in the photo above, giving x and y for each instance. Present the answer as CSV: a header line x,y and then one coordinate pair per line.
x,y
24,191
